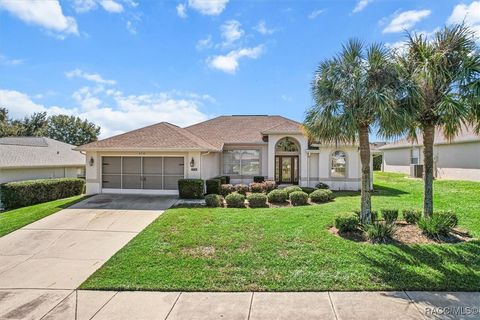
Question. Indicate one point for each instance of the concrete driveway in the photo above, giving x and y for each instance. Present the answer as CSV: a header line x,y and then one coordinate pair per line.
x,y
62,250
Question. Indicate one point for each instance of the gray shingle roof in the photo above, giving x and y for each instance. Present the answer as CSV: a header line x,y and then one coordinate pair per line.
x,y
24,152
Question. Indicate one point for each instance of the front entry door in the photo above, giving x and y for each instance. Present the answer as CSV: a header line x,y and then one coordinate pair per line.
x,y
286,169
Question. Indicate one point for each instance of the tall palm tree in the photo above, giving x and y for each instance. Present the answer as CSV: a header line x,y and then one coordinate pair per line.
x,y
354,93
441,90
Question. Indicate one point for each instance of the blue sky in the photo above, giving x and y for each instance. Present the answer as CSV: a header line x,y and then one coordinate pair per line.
x,y
124,64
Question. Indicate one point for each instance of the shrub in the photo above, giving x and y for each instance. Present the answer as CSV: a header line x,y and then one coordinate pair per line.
x,y
412,216
270,185
347,221
373,215
292,189
213,200
439,225
380,232
257,200
226,189
242,188
298,198
308,189
223,179
322,185
190,188
320,196
213,186
257,187
277,196
235,200
25,193
259,179
389,215
449,215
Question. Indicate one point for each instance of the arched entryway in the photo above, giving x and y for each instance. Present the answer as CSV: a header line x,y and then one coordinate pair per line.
x,y
287,151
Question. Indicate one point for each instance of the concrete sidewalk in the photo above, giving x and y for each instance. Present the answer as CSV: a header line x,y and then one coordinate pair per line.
x,y
64,304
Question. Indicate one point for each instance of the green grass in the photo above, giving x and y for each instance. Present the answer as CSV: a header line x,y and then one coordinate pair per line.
x,y
290,249
17,218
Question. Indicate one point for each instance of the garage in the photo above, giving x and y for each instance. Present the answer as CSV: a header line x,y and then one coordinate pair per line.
x,y
141,173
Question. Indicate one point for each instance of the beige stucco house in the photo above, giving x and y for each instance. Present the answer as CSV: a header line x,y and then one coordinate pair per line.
x,y
151,160
458,159
27,158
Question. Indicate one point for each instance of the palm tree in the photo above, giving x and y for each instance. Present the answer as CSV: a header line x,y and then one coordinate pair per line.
x,y
441,89
353,93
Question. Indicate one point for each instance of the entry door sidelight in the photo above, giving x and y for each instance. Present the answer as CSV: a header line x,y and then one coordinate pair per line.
x,y
286,169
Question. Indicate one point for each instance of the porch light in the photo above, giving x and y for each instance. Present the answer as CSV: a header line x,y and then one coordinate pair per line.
x,y
91,161
192,163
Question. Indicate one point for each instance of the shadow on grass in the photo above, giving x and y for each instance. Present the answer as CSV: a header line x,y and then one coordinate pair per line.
x,y
387,191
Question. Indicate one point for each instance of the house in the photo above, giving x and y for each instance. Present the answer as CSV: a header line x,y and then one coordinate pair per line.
x,y
152,159
27,158
458,159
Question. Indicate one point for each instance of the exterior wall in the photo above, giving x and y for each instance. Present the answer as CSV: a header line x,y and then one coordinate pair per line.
x,y
210,165
397,160
20,174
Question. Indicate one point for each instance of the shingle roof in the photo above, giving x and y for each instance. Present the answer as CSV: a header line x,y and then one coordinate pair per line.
x,y
160,136
466,134
21,152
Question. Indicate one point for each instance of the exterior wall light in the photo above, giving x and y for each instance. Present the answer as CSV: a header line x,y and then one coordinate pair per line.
x,y
91,161
192,163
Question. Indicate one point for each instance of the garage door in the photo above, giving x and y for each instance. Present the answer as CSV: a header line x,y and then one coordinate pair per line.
x,y
150,173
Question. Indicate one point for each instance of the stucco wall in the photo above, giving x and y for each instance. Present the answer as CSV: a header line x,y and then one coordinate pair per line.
x,y
8,175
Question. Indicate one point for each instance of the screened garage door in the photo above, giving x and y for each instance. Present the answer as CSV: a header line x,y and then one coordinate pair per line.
x,y
151,173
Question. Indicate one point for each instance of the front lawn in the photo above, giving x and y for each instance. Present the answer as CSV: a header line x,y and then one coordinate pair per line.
x,y
17,218
290,249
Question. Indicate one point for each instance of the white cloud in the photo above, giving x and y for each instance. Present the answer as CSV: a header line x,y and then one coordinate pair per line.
x,y
263,29
4,60
468,13
112,6
314,14
95,77
131,28
286,97
405,20
229,63
46,14
361,4
231,31
205,43
181,10
208,7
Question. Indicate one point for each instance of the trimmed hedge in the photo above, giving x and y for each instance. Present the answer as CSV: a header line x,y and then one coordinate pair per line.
x,y
277,196
259,179
308,189
25,193
257,200
226,189
223,179
235,200
298,198
347,221
321,195
242,188
322,185
292,189
213,200
256,187
190,188
213,186
270,185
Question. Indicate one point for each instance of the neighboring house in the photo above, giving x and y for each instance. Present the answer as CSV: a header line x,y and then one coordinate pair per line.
x,y
458,159
26,158
152,159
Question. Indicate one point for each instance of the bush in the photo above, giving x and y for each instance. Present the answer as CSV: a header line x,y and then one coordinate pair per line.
x,y
257,187
235,200
257,200
322,195
298,198
190,188
389,215
213,186
380,232
308,189
270,185
347,221
412,216
373,215
259,179
25,193
223,179
439,225
322,185
292,189
242,189
226,189
213,200
277,196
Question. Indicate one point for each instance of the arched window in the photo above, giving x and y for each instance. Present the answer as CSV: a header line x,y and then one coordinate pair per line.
x,y
286,145
339,164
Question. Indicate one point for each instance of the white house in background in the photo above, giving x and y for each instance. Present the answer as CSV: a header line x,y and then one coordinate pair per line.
x,y
458,159
152,159
27,158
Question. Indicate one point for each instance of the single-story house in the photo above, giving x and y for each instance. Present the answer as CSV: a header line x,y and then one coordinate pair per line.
x,y
153,159
458,159
27,158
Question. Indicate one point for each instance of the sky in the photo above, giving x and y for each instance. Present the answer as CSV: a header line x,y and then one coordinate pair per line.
x,y
125,64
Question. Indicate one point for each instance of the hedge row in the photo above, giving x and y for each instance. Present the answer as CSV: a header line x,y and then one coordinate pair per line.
x,y
26,193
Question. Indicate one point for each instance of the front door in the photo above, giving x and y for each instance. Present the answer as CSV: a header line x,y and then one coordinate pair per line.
x,y
286,169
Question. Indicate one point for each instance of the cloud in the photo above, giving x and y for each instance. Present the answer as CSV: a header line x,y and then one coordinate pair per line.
x,y
361,4
286,97
208,7
405,20
95,77
131,28
314,14
46,14
205,43
262,28
231,31
181,10
468,13
229,63
4,60
112,6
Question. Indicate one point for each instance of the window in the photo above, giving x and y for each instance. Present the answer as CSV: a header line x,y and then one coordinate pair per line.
x,y
339,164
414,156
286,145
241,162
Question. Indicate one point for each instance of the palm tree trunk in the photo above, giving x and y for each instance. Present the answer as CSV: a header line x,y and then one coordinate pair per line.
x,y
366,196
428,140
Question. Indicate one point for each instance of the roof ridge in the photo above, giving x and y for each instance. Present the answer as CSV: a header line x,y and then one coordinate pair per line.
x,y
188,134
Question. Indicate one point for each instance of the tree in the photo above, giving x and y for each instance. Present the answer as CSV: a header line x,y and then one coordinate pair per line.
x,y
354,93
34,125
441,86
72,130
